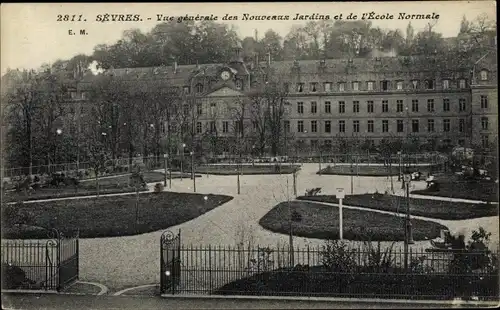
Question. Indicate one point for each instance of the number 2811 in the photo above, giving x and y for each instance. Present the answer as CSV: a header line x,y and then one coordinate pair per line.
x,y
69,18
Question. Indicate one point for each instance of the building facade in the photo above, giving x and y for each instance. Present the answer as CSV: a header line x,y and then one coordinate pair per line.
x,y
367,99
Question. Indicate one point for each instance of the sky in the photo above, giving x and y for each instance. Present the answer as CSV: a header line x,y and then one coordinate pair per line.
x,y
31,34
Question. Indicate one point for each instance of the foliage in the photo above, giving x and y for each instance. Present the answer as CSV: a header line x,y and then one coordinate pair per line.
x,y
473,255
263,262
338,257
417,265
13,214
376,259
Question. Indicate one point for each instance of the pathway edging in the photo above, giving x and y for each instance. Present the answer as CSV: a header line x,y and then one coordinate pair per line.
x,y
133,288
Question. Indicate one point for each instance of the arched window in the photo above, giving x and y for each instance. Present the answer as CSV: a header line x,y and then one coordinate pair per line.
x,y
199,88
484,75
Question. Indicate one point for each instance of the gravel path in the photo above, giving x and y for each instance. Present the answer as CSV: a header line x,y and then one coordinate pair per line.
x,y
122,262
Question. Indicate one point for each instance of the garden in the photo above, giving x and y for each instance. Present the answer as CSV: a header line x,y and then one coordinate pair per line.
x,y
439,209
313,220
106,216
372,271
455,186
247,169
71,187
374,170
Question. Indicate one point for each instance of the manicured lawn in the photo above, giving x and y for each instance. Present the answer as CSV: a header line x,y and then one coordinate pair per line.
x,y
322,222
247,169
445,210
115,216
320,281
452,186
107,185
373,171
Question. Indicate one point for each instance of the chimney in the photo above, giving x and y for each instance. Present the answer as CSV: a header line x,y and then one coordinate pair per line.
x,y
256,36
175,66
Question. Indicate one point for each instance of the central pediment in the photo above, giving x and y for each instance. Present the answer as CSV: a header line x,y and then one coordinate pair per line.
x,y
225,91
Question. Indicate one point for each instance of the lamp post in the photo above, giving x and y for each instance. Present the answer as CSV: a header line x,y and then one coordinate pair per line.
x,y
305,132
59,132
192,170
407,228
320,159
400,172
182,159
165,156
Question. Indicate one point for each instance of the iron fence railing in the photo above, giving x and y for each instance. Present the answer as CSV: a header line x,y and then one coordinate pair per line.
x,y
30,264
50,264
356,272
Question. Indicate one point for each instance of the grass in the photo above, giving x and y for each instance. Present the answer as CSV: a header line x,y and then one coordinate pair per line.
x,y
322,222
107,185
370,171
115,216
439,209
453,186
319,281
247,169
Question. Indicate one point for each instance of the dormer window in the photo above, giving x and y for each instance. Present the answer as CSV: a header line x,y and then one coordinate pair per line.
x,y
414,84
384,85
399,85
186,89
328,86
355,86
341,86
461,83
300,87
286,87
484,75
446,84
239,84
429,84
199,88
313,87
369,85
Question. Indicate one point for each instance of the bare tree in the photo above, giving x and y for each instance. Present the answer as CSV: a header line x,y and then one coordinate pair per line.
x,y
267,110
95,145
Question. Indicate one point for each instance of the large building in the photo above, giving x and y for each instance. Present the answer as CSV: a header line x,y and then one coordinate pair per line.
x,y
367,99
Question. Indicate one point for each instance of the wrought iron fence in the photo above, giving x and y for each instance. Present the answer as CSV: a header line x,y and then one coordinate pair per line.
x,y
352,272
50,264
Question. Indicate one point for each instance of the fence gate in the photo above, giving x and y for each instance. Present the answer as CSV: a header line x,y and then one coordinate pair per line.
x,y
37,264
170,261
68,260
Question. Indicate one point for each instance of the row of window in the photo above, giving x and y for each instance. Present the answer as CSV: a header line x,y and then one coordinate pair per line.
x,y
372,86
415,125
431,106
354,86
314,143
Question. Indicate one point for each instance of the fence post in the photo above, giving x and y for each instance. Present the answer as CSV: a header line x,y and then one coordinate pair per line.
x,y
210,267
